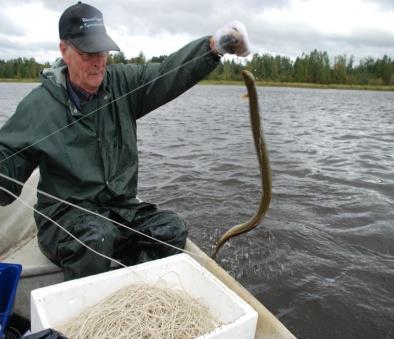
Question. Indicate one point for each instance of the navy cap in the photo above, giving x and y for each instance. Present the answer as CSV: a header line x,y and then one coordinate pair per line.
x,y
83,26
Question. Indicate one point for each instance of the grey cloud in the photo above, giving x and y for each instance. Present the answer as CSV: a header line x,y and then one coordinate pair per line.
x,y
197,18
383,4
8,27
206,16
172,16
303,39
15,49
372,37
58,6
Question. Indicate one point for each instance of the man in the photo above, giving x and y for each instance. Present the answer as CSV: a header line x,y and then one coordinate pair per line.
x,y
79,127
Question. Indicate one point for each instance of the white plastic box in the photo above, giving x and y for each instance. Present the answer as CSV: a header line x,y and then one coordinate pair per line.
x,y
56,304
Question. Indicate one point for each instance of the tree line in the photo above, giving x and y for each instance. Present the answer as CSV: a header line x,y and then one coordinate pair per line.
x,y
314,67
21,68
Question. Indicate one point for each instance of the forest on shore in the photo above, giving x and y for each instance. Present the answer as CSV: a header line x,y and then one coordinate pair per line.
x,y
315,67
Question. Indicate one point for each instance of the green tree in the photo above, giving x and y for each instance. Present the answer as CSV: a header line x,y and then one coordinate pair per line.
x,y
301,69
158,59
318,67
255,66
119,58
140,59
286,68
338,74
384,69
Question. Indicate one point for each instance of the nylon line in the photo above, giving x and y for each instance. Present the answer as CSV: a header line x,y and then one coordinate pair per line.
x,y
105,105
85,210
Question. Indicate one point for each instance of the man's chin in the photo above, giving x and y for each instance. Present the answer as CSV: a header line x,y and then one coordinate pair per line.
x,y
95,82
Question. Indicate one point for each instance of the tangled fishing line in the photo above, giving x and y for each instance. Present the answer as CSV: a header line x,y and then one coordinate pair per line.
x,y
143,311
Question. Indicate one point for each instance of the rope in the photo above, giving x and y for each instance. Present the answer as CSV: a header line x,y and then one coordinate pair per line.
x,y
87,211
105,105
143,311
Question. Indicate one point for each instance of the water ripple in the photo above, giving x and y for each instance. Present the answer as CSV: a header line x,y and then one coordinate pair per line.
x,y
323,258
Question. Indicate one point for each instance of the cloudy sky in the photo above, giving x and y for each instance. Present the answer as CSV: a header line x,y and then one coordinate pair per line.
x,y
287,27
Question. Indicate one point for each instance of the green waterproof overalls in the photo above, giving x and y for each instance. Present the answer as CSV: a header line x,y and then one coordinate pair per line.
x,y
93,162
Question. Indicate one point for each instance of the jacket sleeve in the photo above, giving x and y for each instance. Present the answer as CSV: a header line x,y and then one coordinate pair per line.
x,y
161,83
16,158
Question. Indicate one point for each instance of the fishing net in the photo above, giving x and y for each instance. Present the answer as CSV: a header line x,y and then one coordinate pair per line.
x,y
143,311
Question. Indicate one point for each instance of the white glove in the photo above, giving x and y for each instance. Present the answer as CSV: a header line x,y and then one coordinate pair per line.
x,y
232,39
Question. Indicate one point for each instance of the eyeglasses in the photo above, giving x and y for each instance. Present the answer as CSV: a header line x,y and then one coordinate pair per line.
x,y
88,56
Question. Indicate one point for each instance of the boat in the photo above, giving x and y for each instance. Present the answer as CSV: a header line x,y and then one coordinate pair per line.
x,y
18,244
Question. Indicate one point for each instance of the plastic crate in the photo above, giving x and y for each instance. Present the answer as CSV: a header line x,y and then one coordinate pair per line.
x,y
9,278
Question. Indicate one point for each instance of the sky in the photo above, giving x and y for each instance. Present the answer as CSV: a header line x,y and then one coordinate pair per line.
x,y
362,28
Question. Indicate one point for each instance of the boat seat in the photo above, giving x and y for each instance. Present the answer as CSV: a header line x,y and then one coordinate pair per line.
x,y
32,260
37,271
18,244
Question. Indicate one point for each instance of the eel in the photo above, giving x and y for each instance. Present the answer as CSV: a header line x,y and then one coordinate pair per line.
x,y
265,169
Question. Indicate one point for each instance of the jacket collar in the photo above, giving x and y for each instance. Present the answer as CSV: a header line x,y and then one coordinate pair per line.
x,y
54,79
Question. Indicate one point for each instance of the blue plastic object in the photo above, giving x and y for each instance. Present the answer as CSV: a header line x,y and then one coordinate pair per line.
x,y
9,278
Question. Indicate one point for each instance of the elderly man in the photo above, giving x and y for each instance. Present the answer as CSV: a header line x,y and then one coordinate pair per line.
x,y
79,128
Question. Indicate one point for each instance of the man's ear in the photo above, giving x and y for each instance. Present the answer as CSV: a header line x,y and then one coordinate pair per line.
x,y
64,50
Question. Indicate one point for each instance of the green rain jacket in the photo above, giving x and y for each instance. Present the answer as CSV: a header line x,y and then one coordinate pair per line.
x,y
90,157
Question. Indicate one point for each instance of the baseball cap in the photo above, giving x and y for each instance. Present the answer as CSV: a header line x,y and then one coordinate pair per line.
x,y
83,26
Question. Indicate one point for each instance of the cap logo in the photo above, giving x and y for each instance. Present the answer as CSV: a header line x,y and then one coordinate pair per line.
x,y
91,22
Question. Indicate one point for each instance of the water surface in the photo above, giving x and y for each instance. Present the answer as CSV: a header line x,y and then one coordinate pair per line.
x,y
322,260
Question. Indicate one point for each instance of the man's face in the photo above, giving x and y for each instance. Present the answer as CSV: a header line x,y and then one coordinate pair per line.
x,y
86,70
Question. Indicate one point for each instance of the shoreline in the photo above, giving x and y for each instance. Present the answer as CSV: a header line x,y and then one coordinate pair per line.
x,y
262,84
302,85
19,80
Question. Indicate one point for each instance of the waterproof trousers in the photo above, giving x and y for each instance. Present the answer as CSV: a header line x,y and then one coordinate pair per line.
x,y
110,239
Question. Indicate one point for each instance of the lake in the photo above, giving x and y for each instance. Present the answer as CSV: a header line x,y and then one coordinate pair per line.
x,y
322,260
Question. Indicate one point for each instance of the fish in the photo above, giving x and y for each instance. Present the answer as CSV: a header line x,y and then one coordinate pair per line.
x,y
264,164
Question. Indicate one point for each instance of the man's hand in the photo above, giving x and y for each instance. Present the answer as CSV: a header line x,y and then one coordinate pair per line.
x,y
232,39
